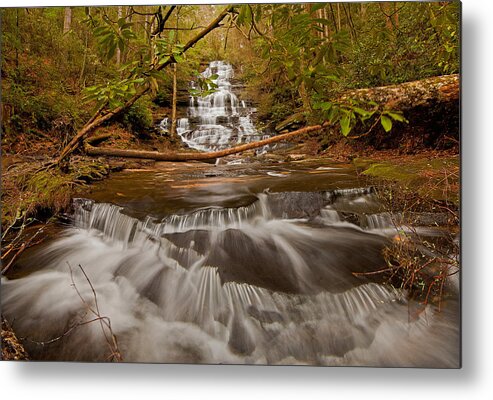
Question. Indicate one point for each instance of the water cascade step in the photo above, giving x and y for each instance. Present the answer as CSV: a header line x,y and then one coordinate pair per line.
x,y
270,282
219,120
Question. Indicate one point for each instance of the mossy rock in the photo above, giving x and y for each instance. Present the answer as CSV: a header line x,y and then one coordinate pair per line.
x,y
36,192
436,179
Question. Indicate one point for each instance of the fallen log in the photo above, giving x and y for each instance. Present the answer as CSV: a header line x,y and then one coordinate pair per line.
x,y
408,95
196,156
430,105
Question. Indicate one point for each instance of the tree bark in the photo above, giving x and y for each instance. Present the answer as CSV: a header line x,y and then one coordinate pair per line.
x,y
408,95
118,51
97,119
67,20
192,156
173,103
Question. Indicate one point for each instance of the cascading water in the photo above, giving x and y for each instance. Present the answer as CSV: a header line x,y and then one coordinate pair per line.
x,y
270,282
219,120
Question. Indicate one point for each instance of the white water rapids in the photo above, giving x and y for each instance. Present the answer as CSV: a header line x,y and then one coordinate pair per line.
x,y
260,284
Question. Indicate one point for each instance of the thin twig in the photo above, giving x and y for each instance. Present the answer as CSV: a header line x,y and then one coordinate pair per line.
x,y
104,321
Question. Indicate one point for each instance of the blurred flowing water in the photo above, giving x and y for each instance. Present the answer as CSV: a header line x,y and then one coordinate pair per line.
x,y
194,263
244,262
218,120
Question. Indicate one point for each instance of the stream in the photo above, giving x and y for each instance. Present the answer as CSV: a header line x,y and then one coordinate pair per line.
x,y
244,262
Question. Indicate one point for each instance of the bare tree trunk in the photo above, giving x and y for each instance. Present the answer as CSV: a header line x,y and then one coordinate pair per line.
x,y
320,15
347,11
118,51
173,105
67,20
18,34
385,7
338,6
333,18
175,88
82,80
396,16
363,11
326,26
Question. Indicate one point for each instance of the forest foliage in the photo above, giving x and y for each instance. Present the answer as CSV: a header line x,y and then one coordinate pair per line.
x,y
60,65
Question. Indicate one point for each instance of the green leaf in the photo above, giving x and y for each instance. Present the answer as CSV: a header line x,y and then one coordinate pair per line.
x,y
121,44
100,30
386,123
241,15
345,125
397,116
121,21
324,106
178,57
362,112
128,34
111,50
109,37
332,78
321,21
164,60
171,36
333,113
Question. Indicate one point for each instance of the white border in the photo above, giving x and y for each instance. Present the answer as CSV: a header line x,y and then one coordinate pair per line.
x,y
474,381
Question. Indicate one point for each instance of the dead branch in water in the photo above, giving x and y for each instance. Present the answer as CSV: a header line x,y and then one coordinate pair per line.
x,y
196,156
414,262
105,322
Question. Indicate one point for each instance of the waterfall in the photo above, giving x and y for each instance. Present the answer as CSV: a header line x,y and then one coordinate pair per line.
x,y
218,120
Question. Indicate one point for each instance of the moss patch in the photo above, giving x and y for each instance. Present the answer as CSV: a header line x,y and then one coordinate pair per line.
x,y
436,179
30,191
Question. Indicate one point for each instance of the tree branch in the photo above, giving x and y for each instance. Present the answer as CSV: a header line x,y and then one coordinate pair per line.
x,y
192,156
99,119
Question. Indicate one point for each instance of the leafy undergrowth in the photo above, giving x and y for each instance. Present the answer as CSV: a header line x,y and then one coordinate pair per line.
x,y
32,191
424,268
